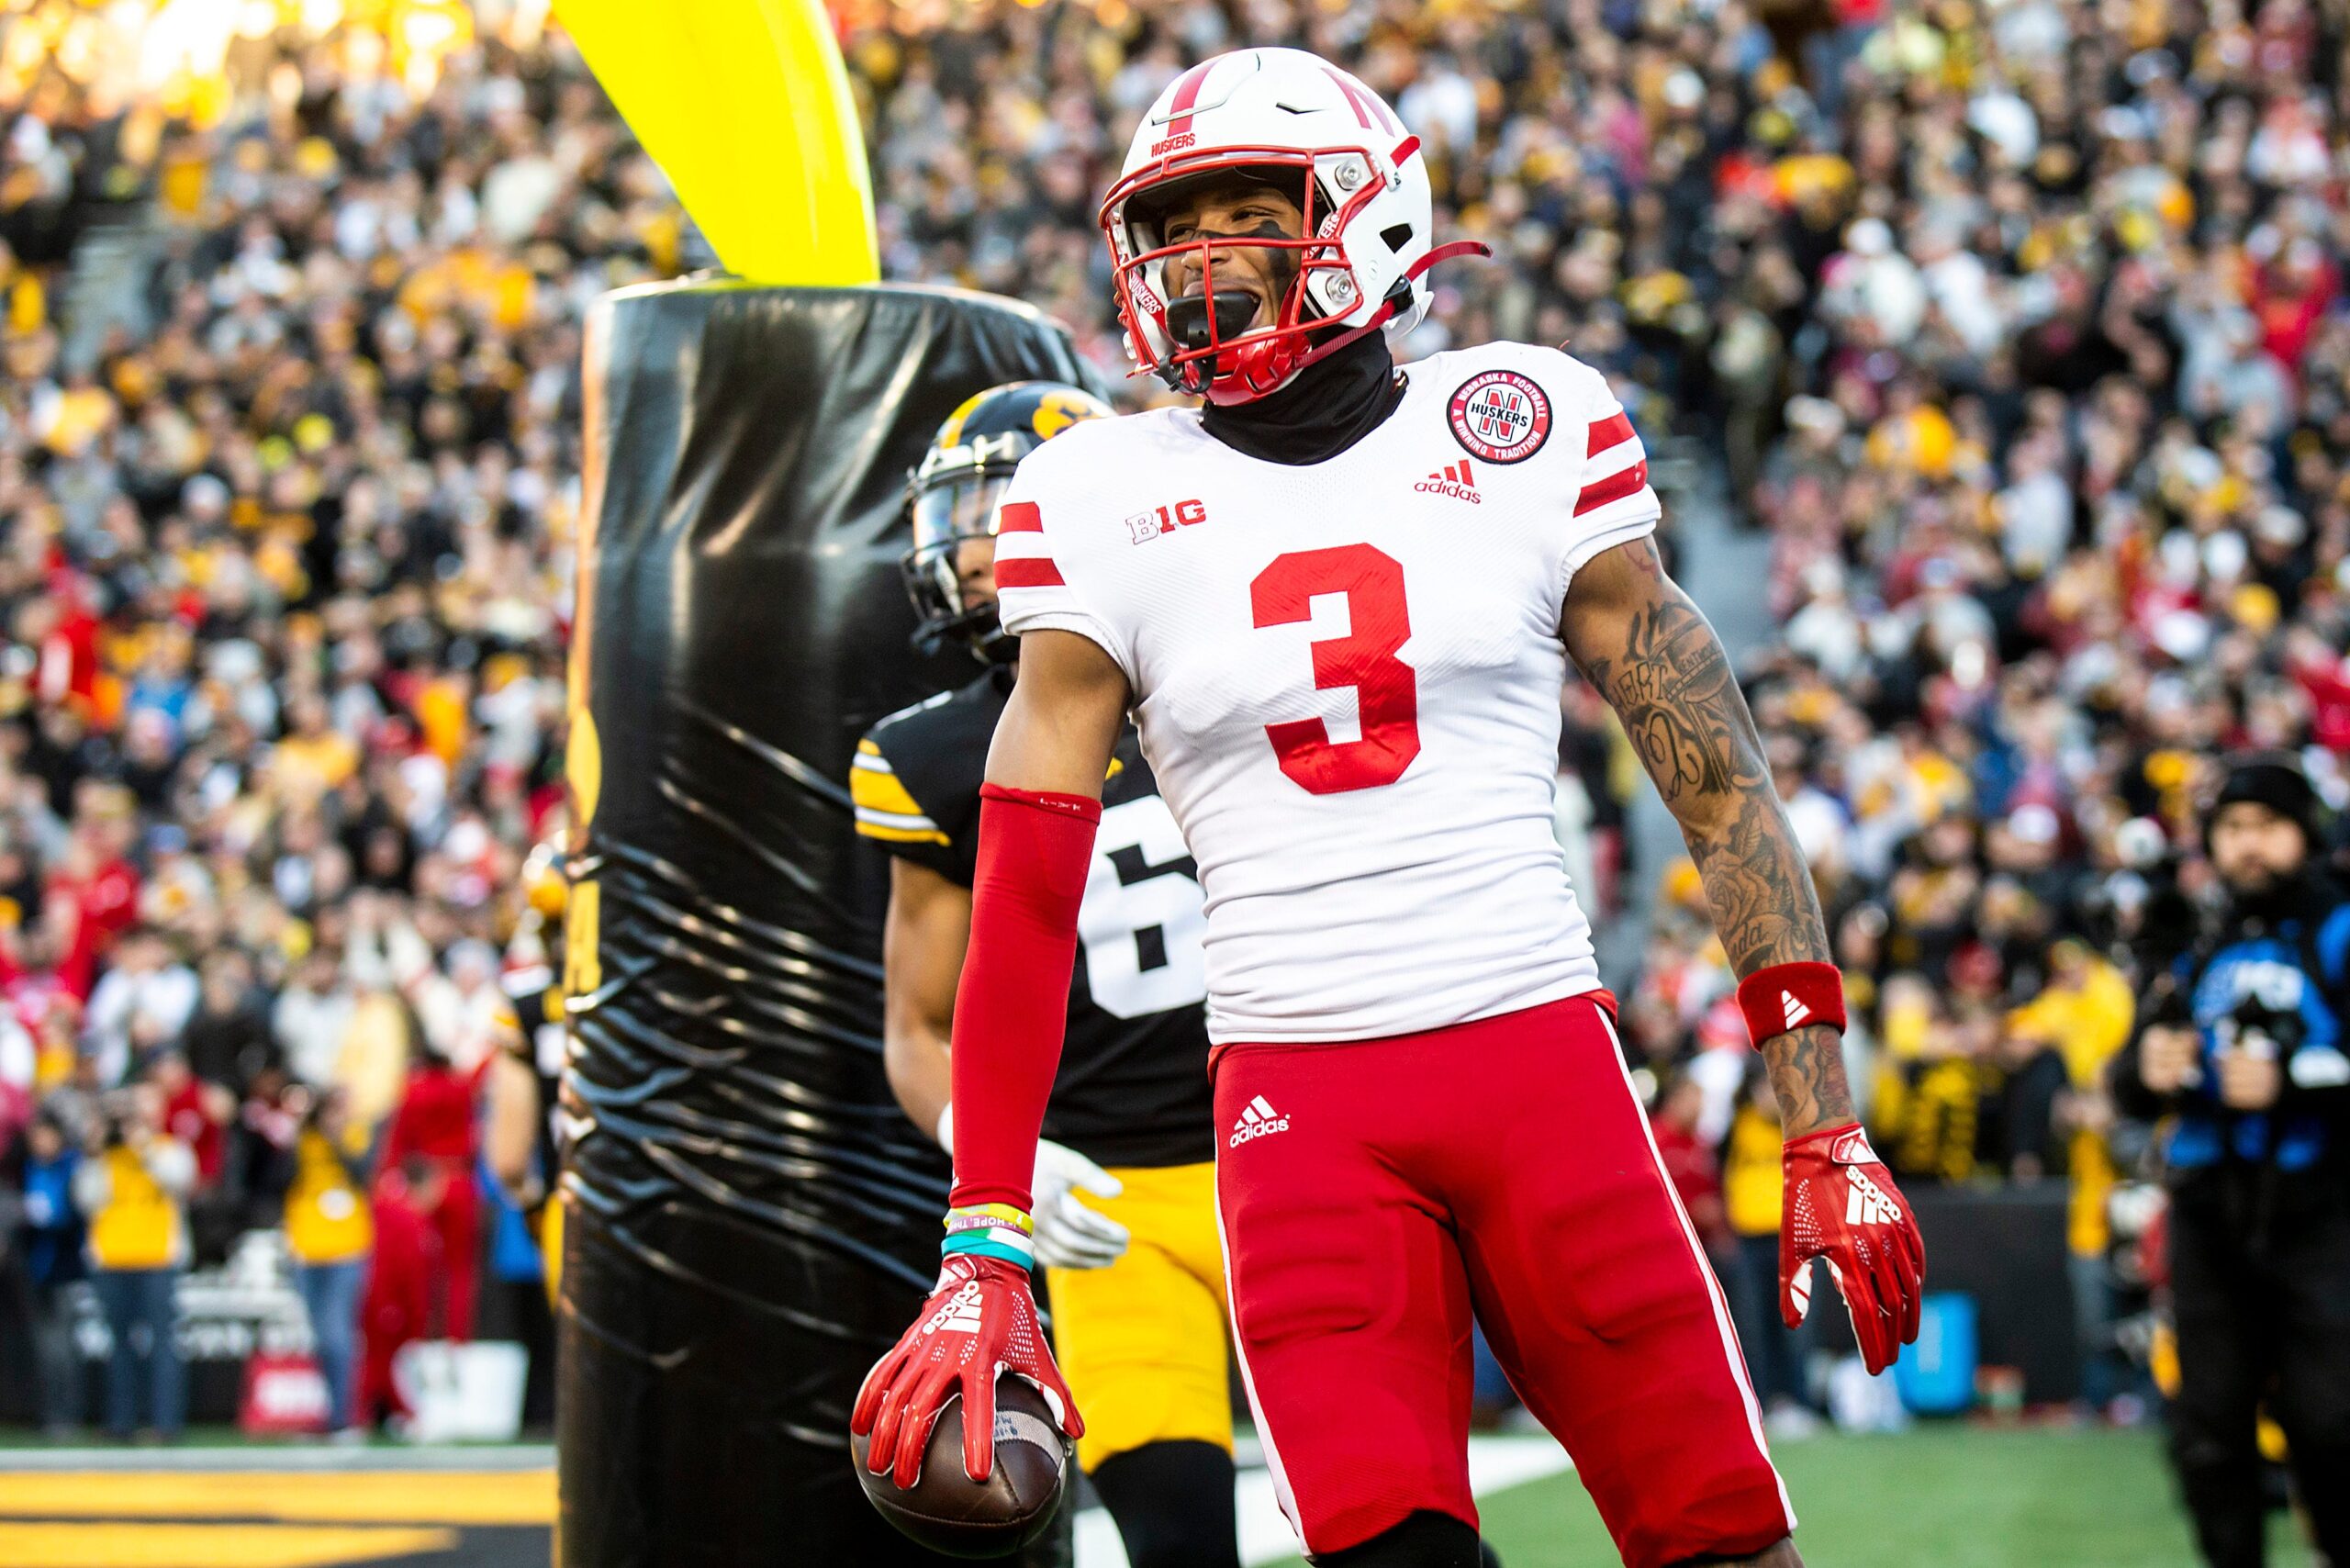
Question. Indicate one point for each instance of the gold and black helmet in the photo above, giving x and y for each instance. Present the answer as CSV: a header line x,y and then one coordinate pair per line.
x,y
952,498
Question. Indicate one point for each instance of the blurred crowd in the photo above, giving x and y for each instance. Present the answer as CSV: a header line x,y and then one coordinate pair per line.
x,y
283,588
2017,321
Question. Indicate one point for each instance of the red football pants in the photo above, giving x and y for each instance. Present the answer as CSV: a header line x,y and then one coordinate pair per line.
x,y
1376,1194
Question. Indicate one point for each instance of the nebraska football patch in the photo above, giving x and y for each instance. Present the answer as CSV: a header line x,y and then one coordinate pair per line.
x,y
1501,416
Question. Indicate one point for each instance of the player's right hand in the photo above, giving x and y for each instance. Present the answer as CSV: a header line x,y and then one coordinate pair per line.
x,y
980,1321
1070,1235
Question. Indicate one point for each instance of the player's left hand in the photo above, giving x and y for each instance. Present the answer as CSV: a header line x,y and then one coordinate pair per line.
x,y
1069,1234
1842,1208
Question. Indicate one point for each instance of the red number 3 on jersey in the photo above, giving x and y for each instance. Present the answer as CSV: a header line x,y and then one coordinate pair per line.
x,y
1386,690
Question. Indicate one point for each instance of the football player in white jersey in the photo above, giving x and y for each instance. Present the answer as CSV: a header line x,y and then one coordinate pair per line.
x,y
1134,1269
1338,601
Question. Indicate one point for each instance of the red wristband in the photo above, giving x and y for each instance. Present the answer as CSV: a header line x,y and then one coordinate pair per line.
x,y
1790,996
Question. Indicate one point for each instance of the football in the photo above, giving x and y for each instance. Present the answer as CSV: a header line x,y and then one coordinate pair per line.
x,y
946,1511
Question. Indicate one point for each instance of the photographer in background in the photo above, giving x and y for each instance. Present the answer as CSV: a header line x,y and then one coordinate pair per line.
x,y
134,1185
328,1232
2244,1047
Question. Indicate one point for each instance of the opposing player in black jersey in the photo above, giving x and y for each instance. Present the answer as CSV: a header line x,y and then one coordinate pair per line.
x,y
1134,1267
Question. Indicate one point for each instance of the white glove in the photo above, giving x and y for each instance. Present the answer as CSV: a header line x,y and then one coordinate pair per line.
x,y
1068,1234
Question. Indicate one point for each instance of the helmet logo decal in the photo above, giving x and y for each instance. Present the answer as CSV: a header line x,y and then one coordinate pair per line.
x,y
1187,96
1056,411
1364,102
1501,416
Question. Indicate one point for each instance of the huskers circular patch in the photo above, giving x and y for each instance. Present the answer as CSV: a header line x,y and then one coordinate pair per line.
x,y
1501,416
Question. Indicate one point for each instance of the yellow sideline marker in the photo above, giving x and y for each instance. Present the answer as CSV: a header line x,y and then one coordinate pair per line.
x,y
398,1497
209,1546
746,106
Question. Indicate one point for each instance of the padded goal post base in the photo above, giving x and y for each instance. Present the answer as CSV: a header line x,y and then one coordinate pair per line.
x,y
750,1220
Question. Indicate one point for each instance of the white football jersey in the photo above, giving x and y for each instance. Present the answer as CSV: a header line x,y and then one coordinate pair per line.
x,y
1347,675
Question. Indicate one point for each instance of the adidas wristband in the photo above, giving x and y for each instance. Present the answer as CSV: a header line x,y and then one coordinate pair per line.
x,y
1791,996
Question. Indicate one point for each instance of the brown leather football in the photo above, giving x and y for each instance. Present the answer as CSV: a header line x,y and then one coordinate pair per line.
x,y
947,1511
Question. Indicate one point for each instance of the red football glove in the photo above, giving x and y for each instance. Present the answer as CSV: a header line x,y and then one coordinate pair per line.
x,y
980,1322
1842,1208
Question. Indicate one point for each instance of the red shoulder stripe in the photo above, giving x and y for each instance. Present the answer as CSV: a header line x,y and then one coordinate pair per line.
x,y
1596,494
1019,517
1019,573
1612,430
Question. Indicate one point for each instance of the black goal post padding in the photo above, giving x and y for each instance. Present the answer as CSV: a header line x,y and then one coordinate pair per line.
x,y
750,1220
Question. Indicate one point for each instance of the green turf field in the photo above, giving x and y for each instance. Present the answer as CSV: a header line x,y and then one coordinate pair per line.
x,y
1937,1497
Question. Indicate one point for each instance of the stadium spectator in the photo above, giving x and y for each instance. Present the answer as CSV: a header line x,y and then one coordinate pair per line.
x,y
227,1040
2243,1054
1689,1160
396,1308
437,1126
50,1246
133,1186
329,1231
1751,1197
140,1006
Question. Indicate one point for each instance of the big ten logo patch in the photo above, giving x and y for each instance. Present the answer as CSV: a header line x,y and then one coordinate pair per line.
x,y
1149,525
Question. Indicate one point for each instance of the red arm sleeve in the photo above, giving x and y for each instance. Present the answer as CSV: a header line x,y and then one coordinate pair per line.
x,y
1012,1008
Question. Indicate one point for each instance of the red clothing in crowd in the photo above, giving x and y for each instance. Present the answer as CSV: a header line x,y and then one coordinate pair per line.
x,y
436,1120
2327,685
102,907
1690,1166
186,1120
31,991
435,1116
398,1303
68,670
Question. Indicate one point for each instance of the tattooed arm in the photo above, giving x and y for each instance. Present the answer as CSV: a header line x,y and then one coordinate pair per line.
x,y
1648,650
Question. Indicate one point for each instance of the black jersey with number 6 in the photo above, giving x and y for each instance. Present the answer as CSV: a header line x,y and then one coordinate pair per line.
x,y
1133,1088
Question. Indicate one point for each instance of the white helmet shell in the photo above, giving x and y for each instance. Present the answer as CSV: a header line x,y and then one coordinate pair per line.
x,y
1368,208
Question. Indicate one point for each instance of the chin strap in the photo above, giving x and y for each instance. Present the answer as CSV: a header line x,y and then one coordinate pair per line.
x,y
1232,396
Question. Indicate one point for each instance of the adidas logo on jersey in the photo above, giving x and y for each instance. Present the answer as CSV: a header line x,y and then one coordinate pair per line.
x,y
1455,480
1257,1119
1868,1203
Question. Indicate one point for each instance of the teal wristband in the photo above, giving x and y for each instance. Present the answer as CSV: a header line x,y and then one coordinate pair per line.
x,y
993,1241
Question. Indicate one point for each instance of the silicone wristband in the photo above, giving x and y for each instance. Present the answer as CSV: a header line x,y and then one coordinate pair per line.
x,y
990,1213
990,1241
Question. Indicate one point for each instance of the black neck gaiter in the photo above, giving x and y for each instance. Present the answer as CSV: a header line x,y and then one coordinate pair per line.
x,y
1333,404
